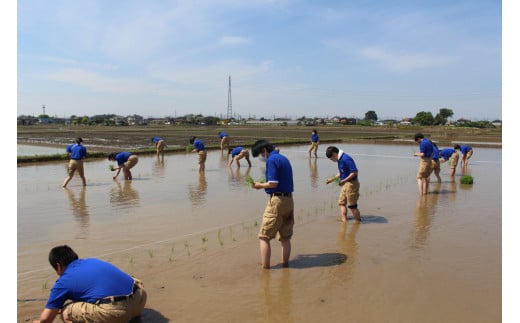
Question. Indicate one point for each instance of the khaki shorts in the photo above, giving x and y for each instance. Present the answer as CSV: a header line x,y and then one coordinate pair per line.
x,y
121,311
202,156
278,218
76,165
436,166
224,141
131,162
160,145
349,193
314,146
469,154
425,168
243,153
454,160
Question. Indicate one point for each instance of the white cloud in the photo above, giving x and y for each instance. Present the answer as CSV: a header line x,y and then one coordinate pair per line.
x,y
404,62
234,40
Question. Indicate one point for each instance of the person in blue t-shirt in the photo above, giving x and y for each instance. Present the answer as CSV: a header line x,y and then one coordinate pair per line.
x,y
348,180
125,161
224,140
315,141
77,152
466,152
91,290
160,144
198,147
238,153
453,156
425,166
278,215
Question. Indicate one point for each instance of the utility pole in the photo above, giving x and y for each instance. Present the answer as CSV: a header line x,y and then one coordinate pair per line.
x,y
229,104
43,108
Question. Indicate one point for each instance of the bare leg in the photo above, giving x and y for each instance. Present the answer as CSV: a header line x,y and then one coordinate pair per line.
x,y
67,180
356,214
286,252
420,186
265,253
343,210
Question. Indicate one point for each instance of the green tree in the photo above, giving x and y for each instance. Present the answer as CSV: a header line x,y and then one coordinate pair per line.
x,y
371,115
442,117
423,118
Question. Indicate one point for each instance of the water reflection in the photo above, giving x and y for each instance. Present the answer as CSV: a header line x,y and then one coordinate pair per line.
x,y
124,196
79,210
159,167
313,172
424,211
276,291
347,244
236,178
197,194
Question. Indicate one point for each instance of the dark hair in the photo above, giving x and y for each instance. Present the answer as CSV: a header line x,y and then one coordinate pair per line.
x,y
192,139
330,150
457,146
229,150
418,136
62,255
315,131
112,156
259,145
79,140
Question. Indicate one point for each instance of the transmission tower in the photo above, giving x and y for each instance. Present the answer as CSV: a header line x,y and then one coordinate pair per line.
x,y
229,104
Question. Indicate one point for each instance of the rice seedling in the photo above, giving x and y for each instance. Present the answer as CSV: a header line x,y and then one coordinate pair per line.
x,y
171,259
131,260
249,180
44,285
150,253
204,239
111,167
466,179
187,248
189,148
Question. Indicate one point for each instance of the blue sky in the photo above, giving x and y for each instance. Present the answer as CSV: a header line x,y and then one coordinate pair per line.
x,y
285,58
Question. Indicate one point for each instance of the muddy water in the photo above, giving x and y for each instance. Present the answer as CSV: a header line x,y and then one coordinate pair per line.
x,y
192,239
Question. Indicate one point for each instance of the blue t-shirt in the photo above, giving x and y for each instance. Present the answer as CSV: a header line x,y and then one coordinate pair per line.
x,y
77,151
222,134
198,144
278,170
426,148
446,153
236,151
88,280
346,165
464,149
122,157
156,139
435,154
315,138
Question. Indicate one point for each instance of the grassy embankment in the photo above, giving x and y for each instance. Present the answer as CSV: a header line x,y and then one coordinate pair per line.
x,y
100,140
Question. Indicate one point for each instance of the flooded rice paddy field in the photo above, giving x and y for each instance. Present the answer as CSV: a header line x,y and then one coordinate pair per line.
x,y
192,238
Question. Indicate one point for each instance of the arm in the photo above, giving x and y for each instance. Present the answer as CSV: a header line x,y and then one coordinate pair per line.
x,y
349,178
330,180
118,171
259,185
48,315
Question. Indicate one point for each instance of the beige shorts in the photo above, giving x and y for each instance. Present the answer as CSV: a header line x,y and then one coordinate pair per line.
x,y
454,160
202,156
121,311
243,153
131,162
160,145
349,193
469,154
425,168
314,146
224,141
436,166
75,165
278,218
